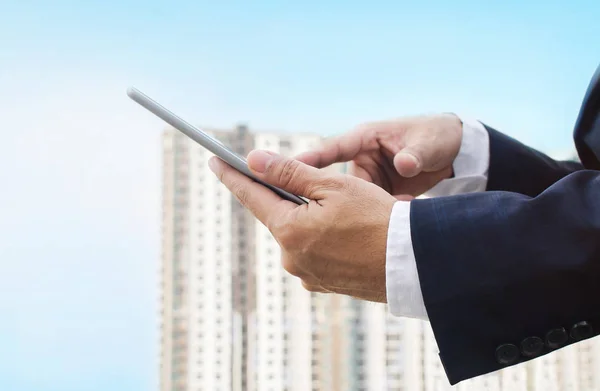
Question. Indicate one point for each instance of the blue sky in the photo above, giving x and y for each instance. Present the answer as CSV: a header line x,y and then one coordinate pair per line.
x,y
79,162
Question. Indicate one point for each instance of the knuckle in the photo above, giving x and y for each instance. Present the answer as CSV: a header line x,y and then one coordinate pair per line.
x,y
240,192
274,224
286,235
345,184
363,127
331,182
309,287
288,172
290,266
366,130
344,181
222,177
355,192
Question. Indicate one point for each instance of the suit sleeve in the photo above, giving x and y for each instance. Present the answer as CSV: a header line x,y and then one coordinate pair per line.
x,y
507,277
517,168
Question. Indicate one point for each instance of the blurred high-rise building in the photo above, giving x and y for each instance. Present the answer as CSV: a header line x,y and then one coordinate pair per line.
x,y
233,319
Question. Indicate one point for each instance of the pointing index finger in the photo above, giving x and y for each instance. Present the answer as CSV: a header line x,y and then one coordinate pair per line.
x,y
345,147
336,150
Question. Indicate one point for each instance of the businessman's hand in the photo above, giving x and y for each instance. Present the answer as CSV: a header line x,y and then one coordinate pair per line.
x,y
336,243
406,157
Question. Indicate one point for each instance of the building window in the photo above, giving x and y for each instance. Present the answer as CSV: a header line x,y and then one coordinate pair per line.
x,y
285,144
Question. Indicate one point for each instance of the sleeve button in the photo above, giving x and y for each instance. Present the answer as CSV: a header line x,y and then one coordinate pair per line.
x,y
507,354
556,338
581,330
532,347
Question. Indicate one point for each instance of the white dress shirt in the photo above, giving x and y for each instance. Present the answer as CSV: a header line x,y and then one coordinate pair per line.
x,y
470,168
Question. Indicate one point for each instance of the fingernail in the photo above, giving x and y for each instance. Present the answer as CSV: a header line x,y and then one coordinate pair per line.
x,y
413,158
407,164
212,164
259,161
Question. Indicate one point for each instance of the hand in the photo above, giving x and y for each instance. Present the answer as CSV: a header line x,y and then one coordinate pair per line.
x,y
337,242
405,157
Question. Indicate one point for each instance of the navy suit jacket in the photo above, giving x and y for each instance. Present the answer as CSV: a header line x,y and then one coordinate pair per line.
x,y
513,273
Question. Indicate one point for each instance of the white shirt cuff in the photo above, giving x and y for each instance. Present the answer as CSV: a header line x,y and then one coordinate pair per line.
x,y
470,167
403,288
471,164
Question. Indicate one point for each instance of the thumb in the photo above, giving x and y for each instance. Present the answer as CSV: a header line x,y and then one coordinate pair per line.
x,y
290,175
408,163
423,152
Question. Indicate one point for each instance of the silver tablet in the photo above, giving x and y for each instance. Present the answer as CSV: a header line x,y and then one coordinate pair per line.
x,y
213,145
